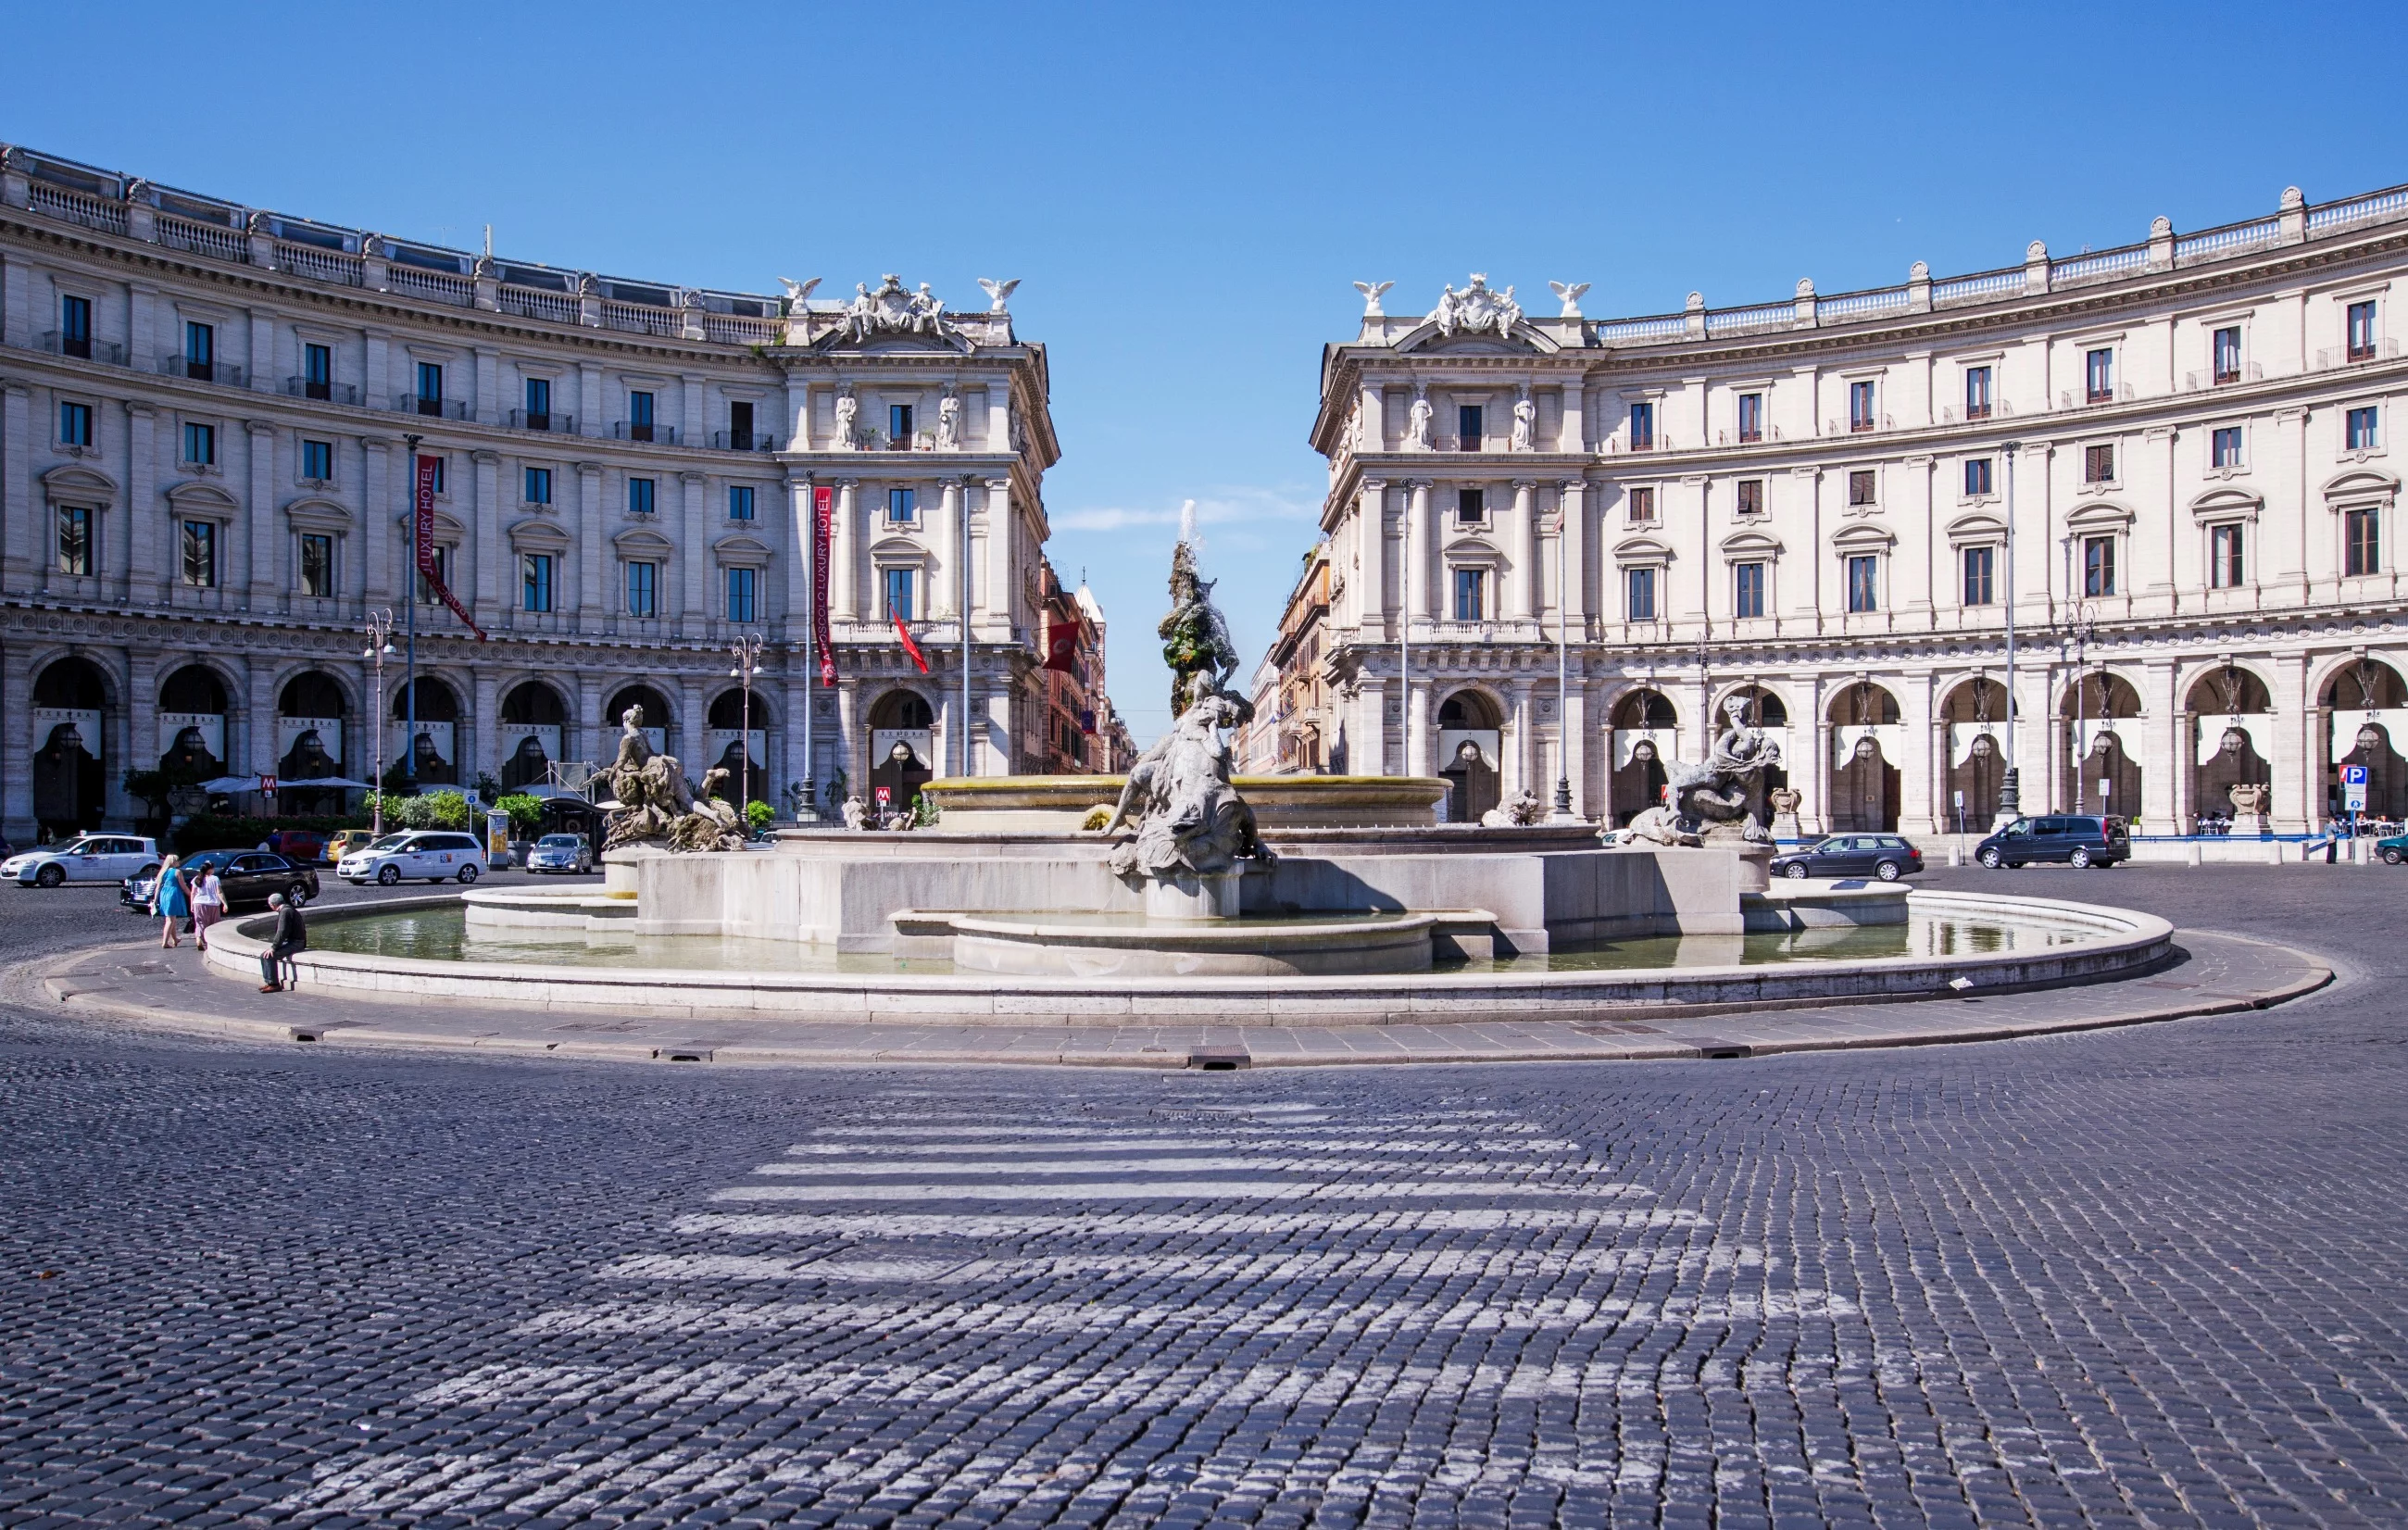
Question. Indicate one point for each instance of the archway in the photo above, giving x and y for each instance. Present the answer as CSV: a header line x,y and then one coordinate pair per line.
x,y
192,726
725,740
902,750
1865,738
310,727
2097,772
1975,716
70,784
656,718
2367,707
1470,748
2229,717
532,719
434,749
1645,727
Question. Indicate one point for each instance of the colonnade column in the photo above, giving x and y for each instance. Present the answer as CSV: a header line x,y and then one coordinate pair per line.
x,y
1571,743
1371,551
264,590
142,715
847,748
1916,801
798,556
2161,789
17,743
1521,759
2298,750
485,707
1571,524
1367,730
1417,556
1417,734
17,490
945,539
1528,542
844,551
998,603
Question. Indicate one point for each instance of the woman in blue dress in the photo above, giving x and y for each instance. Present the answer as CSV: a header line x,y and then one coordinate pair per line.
x,y
171,903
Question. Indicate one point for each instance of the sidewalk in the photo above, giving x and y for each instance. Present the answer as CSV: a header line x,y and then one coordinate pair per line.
x,y
149,987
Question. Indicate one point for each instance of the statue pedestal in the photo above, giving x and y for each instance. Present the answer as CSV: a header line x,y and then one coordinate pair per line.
x,y
1190,895
2251,825
1785,827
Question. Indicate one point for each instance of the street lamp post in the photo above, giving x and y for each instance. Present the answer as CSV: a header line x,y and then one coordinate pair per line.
x,y
380,645
747,649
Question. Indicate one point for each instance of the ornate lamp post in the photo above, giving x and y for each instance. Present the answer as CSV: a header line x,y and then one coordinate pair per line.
x,y
380,645
747,649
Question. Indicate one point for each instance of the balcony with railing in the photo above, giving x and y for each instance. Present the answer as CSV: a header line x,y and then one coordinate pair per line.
x,y
226,244
2347,355
433,408
743,440
629,430
547,421
82,347
175,364
324,392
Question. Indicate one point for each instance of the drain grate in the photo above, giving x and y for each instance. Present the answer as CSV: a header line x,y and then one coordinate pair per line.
x,y
1220,1059
1709,1046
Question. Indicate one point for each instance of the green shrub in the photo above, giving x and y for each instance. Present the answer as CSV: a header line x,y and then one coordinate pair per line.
x,y
759,815
526,814
447,811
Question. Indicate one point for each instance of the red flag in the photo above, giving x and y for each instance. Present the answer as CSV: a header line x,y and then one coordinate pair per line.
x,y
822,523
1062,648
909,646
429,566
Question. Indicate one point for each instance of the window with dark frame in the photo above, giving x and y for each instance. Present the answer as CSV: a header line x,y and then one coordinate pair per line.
x,y
1977,477
643,589
535,582
898,425
2098,566
1471,595
1977,393
430,388
200,444
317,371
2361,330
1980,564
2362,542
200,352
74,327
739,502
1861,415
200,555
1470,430
538,403
318,461
1638,594
75,539
2099,464
1747,589
2098,375
643,497
2226,556
902,507
739,425
1864,583
75,423
744,589
1751,496
442,557
537,488
1751,418
1861,487
2226,354
2224,447
1643,427
1642,504
900,587
640,415
2359,429
318,563
1470,506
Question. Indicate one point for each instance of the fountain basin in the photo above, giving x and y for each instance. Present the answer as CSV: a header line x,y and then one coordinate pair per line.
x,y
1059,804
1109,946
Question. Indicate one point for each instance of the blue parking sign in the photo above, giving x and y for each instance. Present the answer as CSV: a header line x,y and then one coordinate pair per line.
x,y
2353,788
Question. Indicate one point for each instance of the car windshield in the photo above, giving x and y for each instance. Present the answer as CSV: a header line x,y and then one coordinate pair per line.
x,y
85,847
391,841
557,841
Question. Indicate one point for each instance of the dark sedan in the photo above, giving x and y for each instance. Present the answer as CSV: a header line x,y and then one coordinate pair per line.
x,y
248,876
1884,855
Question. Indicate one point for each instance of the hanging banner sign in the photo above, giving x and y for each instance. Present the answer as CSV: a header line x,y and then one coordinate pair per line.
x,y
429,569
823,525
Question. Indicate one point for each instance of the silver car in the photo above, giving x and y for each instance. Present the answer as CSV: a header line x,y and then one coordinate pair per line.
x,y
561,853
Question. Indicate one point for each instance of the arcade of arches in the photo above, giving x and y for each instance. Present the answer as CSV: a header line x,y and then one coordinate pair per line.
x,y
1470,747
902,747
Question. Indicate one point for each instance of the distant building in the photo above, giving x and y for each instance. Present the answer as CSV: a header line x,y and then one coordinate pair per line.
x,y
1256,744
1302,737
1073,725
1805,507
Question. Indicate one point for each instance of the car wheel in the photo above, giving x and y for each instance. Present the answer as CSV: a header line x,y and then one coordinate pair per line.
x,y
1887,871
388,875
1992,859
1795,871
467,874
2392,857
297,895
49,876
2080,859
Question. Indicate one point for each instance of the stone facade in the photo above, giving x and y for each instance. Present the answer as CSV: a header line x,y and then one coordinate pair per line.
x,y
204,488
2184,441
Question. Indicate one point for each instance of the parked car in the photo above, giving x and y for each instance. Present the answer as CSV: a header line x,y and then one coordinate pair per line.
x,y
561,853
1884,855
2081,840
2393,850
432,854
346,840
248,878
306,847
90,858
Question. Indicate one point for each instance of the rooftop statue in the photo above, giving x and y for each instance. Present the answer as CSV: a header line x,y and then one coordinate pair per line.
x,y
1476,308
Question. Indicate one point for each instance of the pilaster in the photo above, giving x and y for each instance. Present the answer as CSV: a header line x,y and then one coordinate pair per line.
x,y
16,484
1527,543
844,553
263,590
1417,551
146,526
700,602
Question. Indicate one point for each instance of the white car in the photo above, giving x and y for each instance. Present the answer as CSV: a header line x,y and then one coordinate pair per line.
x,y
93,858
432,855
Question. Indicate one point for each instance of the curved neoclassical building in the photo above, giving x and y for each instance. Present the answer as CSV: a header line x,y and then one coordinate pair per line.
x,y
2172,457
206,491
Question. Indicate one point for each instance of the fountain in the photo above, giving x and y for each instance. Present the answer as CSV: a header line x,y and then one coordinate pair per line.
x,y
1185,891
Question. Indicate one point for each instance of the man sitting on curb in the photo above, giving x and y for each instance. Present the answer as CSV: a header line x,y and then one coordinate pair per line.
x,y
291,935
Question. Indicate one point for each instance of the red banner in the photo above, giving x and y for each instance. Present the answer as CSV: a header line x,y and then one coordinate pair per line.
x,y
909,646
823,525
430,566
1062,648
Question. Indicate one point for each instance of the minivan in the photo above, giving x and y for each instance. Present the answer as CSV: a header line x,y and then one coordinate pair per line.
x,y
2079,839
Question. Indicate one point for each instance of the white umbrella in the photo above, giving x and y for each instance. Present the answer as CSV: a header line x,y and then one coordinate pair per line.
x,y
232,783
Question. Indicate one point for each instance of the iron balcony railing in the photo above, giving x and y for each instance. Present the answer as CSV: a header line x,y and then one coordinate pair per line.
x,y
332,393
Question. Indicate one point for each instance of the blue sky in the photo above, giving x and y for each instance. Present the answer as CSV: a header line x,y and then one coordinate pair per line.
x,y
1187,193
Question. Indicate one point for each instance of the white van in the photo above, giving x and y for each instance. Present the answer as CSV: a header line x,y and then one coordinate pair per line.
x,y
433,854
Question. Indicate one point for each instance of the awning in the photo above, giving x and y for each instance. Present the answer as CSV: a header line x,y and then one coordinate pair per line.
x,y
326,784
232,783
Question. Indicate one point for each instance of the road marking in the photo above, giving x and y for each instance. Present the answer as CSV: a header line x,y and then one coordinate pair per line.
x,y
966,1268
978,1224
1213,1144
1169,1165
1122,1189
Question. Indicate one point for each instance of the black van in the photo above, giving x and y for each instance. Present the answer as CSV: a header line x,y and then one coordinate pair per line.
x,y
2076,839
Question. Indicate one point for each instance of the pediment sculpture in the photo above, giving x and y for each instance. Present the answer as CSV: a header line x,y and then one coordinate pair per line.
x,y
893,311
1476,308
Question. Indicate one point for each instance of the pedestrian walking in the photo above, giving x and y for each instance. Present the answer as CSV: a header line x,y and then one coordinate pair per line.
x,y
208,904
170,901
291,937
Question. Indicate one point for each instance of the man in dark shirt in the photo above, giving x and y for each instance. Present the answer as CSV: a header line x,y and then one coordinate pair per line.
x,y
292,934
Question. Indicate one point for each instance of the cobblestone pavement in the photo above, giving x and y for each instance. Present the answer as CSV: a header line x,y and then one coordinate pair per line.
x,y
2138,1277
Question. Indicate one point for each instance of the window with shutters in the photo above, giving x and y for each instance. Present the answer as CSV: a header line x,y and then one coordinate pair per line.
x,y
1642,505
2099,464
1639,593
2362,541
2098,375
1977,393
2098,566
1751,418
1864,582
2226,556
1861,488
1747,589
1751,496
1980,565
